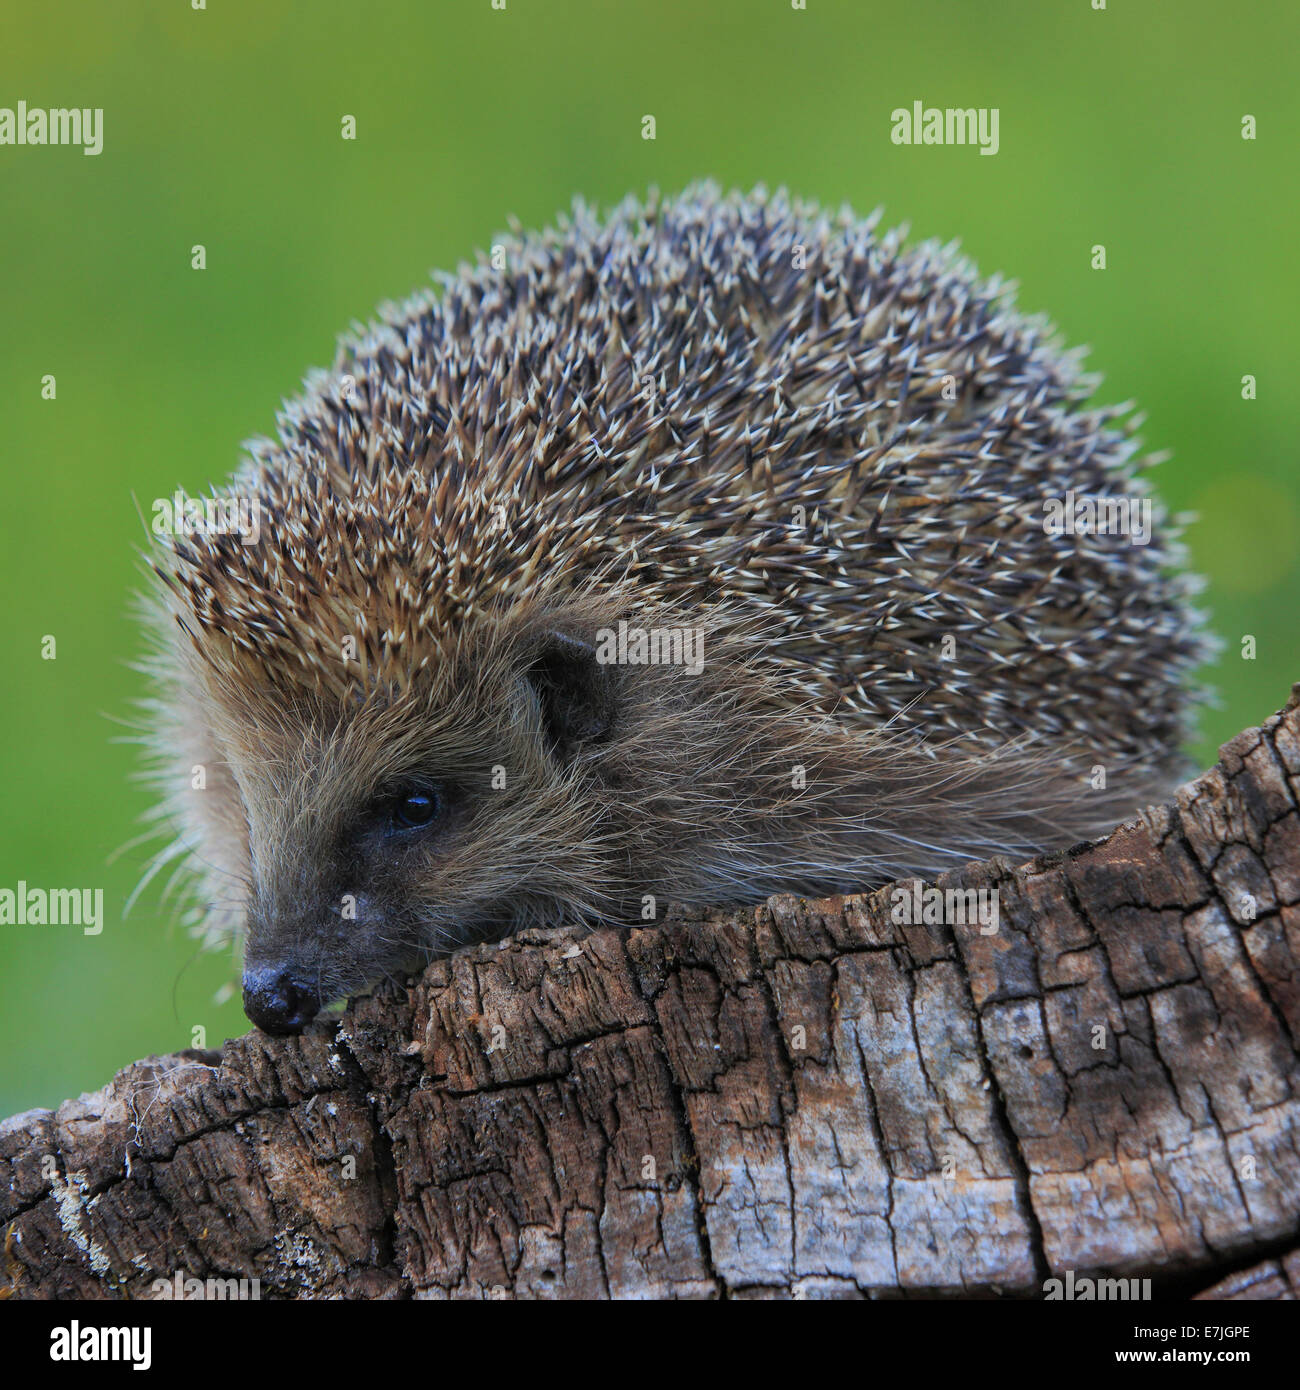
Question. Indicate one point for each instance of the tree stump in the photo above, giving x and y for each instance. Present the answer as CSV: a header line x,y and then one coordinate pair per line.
x,y
802,1099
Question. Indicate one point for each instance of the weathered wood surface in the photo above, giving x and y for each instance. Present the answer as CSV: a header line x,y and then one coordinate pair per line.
x,y
802,1099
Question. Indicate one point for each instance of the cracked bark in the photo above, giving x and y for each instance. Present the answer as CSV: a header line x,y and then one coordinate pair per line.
x,y
800,1099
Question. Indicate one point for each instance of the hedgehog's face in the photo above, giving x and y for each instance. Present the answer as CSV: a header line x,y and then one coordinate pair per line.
x,y
387,835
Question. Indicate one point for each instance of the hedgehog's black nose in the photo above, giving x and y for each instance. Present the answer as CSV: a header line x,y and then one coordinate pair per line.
x,y
277,1003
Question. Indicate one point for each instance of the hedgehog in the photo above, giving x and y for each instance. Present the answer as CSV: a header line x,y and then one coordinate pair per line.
x,y
689,554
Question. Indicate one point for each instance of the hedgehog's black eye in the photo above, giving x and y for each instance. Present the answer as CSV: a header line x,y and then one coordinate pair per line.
x,y
414,810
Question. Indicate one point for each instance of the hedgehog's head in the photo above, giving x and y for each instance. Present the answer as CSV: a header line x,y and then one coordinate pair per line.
x,y
395,830
373,824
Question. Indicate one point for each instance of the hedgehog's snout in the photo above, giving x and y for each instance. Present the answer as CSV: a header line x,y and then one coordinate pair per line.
x,y
277,1002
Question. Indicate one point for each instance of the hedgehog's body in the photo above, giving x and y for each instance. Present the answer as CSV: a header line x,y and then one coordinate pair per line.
x,y
828,456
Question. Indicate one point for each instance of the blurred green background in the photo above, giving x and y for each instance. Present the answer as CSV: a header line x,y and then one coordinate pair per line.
x,y
222,127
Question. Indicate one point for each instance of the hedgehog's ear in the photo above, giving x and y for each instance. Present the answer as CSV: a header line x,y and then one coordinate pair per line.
x,y
575,689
